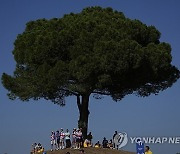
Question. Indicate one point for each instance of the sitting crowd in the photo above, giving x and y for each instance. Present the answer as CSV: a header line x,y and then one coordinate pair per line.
x,y
37,148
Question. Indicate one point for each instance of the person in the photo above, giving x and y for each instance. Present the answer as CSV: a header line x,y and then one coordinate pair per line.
x,y
40,148
53,140
115,133
105,143
57,140
110,144
62,135
79,138
33,148
67,139
147,150
82,151
90,137
97,145
86,143
74,138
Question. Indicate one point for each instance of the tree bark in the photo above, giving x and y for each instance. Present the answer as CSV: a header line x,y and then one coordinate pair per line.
x,y
83,105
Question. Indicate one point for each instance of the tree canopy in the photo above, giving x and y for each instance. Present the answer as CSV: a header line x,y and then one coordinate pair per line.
x,y
97,51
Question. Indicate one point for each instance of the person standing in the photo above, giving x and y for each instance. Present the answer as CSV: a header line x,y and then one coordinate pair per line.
x,y
67,139
53,140
57,140
147,150
79,138
62,135
115,133
74,138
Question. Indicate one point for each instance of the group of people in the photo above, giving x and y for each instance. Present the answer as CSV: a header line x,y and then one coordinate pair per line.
x,y
105,144
61,139
37,148
64,139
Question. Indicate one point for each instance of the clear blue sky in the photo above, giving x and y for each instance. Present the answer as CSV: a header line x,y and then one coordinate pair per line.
x,y
22,123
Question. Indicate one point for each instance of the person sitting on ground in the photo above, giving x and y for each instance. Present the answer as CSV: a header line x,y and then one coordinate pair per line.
x,y
147,150
97,145
110,144
90,137
86,143
33,148
105,143
40,148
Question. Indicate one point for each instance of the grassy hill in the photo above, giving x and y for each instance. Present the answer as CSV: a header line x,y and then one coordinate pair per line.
x,y
90,151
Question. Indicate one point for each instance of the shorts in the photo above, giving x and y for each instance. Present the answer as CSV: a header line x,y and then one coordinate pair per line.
x,y
53,142
78,140
74,139
61,139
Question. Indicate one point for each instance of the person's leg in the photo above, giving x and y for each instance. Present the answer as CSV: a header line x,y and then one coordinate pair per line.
x,y
51,146
68,143
60,144
63,144
73,143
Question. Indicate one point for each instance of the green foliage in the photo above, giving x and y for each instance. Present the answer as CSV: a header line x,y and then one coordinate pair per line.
x,y
97,51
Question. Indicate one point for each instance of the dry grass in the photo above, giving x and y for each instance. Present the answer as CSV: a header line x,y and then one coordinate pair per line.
x,y
90,151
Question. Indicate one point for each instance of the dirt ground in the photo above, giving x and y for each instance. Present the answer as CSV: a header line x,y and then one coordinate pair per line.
x,y
90,151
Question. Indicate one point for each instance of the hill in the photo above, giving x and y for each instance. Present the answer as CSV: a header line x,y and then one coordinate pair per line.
x,y
91,151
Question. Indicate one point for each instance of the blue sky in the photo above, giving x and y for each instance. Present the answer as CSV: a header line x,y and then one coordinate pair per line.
x,y
22,123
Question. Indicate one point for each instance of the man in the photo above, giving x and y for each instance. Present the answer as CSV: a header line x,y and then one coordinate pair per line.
x,y
115,133
74,138
105,143
57,140
67,138
147,150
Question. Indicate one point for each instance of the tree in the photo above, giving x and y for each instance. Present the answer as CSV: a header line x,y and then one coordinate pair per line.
x,y
96,52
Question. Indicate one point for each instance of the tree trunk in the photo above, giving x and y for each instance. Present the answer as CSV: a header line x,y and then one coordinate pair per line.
x,y
83,104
